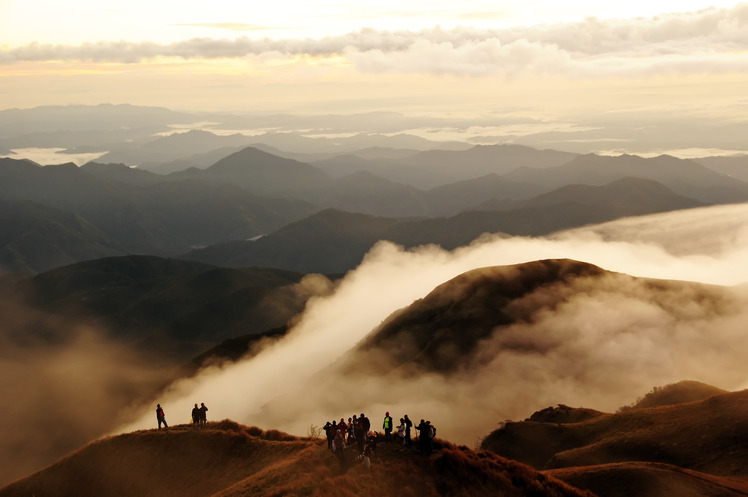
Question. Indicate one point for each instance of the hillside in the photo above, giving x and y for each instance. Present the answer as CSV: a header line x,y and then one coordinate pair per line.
x,y
705,435
336,241
180,308
230,460
35,238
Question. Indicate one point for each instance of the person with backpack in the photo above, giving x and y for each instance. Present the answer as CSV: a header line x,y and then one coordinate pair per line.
x,y
203,413
387,426
160,416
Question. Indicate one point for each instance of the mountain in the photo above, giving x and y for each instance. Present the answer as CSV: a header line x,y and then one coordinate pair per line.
x,y
434,168
146,213
676,393
334,241
95,128
35,238
261,173
179,308
734,166
330,241
684,177
637,450
370,194
176,146
229,459
441,331
633,196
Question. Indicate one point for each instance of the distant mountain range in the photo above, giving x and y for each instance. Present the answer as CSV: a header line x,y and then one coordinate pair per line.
x,y
252,193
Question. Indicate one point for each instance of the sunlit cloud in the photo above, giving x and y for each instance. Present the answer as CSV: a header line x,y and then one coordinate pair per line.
x,y
707,41
607,340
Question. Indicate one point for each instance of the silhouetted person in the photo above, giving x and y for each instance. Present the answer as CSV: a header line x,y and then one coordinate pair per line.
x,y
160,416
387,426
195,415
330,433
203,416
408,426
422,428
430,435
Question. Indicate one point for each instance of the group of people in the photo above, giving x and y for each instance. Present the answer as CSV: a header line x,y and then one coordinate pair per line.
x,y
357,431
199,416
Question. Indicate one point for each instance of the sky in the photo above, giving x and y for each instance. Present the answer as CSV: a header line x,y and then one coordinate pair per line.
x,y
539,69
540,57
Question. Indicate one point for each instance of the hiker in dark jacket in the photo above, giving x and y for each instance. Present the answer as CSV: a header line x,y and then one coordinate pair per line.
x,y
203,413
160,416
408,426
195,415
330,433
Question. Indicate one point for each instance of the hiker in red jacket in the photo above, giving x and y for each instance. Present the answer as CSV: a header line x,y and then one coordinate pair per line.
x,y
160,416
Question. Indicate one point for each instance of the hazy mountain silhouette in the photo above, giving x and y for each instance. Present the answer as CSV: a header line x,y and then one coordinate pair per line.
x,y
179,308
94,128
232,460
151,155
429,169
330,241
728,166
35,238
684,177
334,241
261,173
147,213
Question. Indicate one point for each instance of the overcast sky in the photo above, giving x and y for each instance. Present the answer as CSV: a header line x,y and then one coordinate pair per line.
x,y
551,62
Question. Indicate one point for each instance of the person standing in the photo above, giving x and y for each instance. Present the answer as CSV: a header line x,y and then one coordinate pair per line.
x,y
203,416
195,415
160,416
387,426
408,426
401,433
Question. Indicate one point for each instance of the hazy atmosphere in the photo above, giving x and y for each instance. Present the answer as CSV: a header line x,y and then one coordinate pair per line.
x,y
464,211
639,77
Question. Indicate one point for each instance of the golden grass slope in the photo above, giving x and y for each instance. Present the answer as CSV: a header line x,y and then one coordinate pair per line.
x,y
697,448
229,460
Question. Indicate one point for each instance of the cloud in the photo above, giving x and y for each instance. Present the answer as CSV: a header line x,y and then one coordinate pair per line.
x,y
706,41
605,343
64,384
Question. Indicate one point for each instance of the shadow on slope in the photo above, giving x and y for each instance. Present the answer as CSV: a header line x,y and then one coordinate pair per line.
x,y
228,459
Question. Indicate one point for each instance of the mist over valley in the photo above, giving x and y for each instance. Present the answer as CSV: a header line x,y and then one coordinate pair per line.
x,y
524,224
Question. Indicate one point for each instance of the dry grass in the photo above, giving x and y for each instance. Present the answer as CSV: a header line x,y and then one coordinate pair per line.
x,y
695,449
230,460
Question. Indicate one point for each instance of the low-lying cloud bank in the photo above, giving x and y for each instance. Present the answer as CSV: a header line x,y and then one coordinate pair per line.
x,y
607,343
591,48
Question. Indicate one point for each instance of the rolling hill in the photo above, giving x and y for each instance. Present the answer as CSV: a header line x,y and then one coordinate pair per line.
x,y
230,460
697,444
178,308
